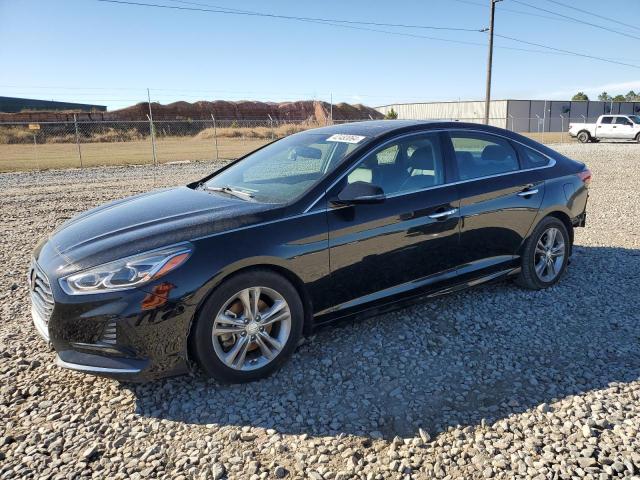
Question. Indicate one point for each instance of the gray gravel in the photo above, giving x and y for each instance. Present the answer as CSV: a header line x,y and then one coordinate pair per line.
x,y
494,382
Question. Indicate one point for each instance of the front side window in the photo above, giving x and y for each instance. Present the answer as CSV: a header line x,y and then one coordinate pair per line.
x,y
480,155
286,169
410,164
622,121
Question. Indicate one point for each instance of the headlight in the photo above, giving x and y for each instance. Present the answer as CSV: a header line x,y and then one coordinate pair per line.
x,y
126,273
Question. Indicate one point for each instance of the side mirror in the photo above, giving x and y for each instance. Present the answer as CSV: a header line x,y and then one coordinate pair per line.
x,y
357,193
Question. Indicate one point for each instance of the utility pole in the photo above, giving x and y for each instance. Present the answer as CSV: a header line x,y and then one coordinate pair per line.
x,y
487,101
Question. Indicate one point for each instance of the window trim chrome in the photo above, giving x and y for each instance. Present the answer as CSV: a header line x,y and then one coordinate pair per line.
x,y
552,163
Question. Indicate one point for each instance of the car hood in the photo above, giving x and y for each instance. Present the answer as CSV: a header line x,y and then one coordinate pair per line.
x,y
147,221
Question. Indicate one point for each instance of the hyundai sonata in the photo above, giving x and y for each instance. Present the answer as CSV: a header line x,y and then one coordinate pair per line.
x,y
229,272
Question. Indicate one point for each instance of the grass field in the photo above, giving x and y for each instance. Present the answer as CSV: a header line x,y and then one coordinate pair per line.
x,y
64,155
17,157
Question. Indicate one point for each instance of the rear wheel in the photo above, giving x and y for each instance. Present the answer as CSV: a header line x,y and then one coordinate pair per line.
x,y
584,137
638,138
248,327
545,255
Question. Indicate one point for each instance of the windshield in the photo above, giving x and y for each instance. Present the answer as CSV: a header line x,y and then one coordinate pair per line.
x,y
286,169
635,119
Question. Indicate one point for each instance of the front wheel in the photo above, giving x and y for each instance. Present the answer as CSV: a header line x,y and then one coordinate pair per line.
x,y
545,255
638,138
584,137
248,327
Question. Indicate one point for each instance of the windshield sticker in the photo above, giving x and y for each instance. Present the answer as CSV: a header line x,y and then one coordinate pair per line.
x,y
339,137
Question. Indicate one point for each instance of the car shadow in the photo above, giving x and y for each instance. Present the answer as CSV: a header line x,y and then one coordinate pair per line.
x,y
485,353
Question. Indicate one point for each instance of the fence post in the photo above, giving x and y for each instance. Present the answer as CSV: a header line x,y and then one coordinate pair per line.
x,y
153,140
271,126
153,133
35,150
562,129
215,135
75,124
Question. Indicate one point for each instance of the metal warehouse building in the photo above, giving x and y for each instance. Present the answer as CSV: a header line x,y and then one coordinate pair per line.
x,y
15,105
517,115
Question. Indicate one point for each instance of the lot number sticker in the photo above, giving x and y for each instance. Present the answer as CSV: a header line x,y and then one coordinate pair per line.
x,y
339,137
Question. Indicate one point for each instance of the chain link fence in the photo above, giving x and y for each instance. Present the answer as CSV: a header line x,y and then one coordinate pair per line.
x,y
35,146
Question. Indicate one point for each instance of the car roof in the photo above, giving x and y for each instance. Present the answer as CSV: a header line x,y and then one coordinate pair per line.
x,y
377,128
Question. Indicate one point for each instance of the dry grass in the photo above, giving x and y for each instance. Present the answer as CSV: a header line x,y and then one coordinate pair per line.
x,y
264,133
60,155
550,137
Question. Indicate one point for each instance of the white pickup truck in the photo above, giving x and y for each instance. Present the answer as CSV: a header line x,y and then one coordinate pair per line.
x,y
618,127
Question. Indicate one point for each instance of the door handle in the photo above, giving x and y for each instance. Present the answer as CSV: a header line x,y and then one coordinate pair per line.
x,y
528,193
446,213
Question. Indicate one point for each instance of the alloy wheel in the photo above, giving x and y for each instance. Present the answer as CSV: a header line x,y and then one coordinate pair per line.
x,y
549,254
251,328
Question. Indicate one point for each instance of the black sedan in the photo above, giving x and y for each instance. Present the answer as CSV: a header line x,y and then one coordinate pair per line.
x,y
229,272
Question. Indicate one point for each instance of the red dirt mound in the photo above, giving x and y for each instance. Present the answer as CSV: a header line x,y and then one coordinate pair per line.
x,y
202,110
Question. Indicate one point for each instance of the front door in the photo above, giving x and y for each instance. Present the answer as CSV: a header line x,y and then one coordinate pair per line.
x,y
410,240
498,202
624,128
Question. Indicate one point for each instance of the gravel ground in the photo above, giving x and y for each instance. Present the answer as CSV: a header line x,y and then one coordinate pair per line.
x,y
492,382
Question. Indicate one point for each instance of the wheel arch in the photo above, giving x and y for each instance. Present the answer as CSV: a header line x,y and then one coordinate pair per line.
x,y
289,275
584,130
566,220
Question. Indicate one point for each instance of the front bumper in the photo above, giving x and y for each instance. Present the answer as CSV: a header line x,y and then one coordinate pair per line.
x,y
131,336
100,365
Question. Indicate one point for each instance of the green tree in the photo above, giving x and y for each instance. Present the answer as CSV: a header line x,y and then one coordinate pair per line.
x,y
580,97
632,96
391,115
605,97
619,98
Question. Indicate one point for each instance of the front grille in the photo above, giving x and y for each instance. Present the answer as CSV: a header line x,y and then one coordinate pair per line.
x,y
41,297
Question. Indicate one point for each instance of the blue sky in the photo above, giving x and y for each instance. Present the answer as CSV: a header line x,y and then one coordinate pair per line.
x,y
88,51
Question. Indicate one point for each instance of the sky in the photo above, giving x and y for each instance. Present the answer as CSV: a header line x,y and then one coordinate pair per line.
x,y
109,54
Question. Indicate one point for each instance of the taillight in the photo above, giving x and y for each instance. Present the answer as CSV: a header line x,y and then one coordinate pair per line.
x,y
585,175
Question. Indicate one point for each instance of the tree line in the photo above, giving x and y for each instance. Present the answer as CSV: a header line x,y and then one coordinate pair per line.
x,y
605,97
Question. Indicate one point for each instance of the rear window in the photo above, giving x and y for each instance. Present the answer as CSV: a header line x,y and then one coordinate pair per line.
x,y
532,159
481,155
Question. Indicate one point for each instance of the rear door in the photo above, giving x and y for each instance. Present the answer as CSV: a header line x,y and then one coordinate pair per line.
x,y
411,240
604,129
499,200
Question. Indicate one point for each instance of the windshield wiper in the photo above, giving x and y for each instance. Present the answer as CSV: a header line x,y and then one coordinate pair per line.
x,y
231,191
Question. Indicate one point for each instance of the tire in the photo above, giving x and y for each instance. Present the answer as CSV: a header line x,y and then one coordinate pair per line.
x,y
216,352
638,138
532,276
584,137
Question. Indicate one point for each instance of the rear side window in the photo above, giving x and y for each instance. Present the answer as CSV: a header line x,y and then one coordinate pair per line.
x,y
480,155
532,159
607,120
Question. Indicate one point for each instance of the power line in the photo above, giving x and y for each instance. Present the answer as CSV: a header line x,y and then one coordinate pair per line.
x,y
223,10
594,14
327,22
577,20
511,10
567,52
